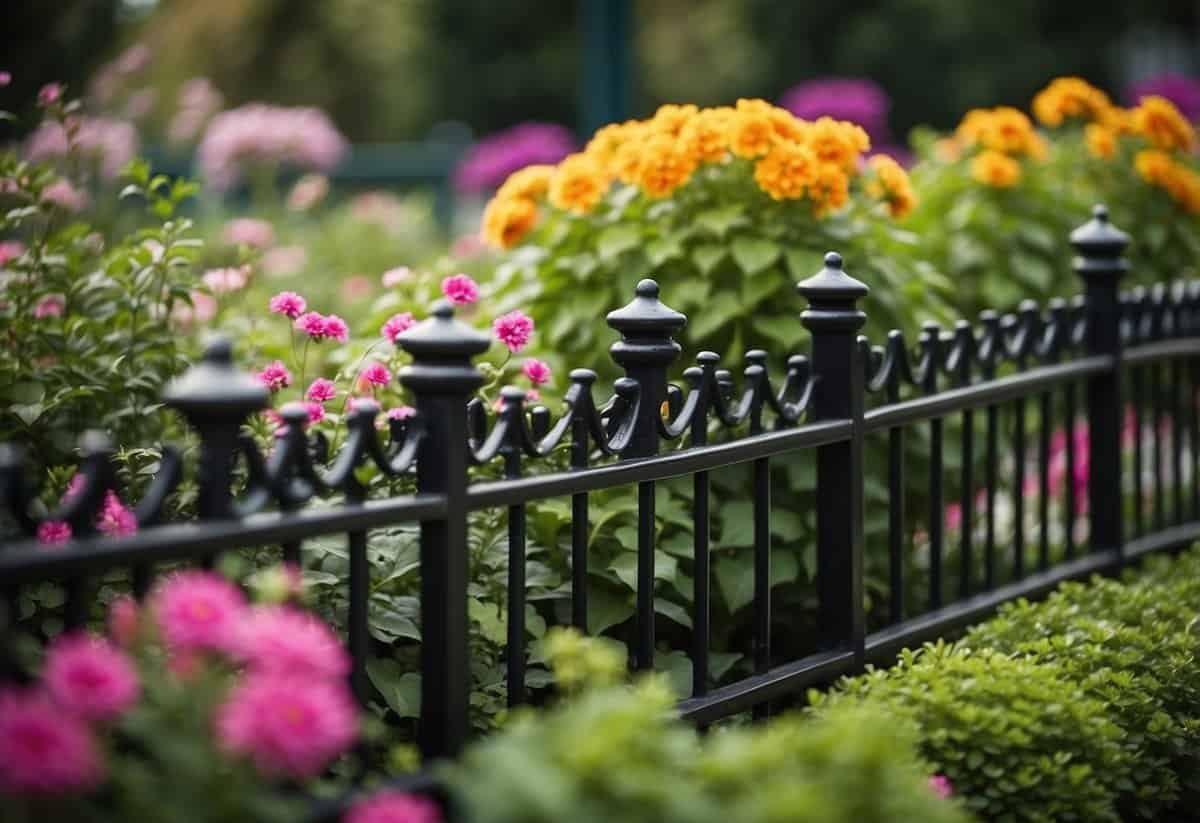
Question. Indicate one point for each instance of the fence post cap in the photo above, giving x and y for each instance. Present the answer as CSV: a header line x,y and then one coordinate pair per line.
x,y
832,285
214,389
1098,237
646,325
442,348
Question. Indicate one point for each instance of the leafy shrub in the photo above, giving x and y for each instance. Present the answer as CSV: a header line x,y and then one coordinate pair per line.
x,y
1018,739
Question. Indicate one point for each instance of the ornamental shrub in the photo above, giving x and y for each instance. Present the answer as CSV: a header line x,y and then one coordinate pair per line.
x,y
1018,739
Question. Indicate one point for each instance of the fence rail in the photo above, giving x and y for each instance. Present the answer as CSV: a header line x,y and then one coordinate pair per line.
x,y
983,380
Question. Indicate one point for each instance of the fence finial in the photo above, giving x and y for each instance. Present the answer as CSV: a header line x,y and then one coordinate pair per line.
x,y
1099,245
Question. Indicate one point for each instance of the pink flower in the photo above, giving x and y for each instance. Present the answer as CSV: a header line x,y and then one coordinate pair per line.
x,y
249,231
49,306
106,143
336,328
308,191
202,310
198,101
939,784
10,250
288,725
284,261
316,412
401,413
396,325
198,610
391,806
513,329
53,532
49,94
286,641
5,78
394,277
62,194
954,516
537,371
275,376
375,374
313,324
43,750
460,289
123,621
223,281
288,303
356,288
114,519
321,390
90,678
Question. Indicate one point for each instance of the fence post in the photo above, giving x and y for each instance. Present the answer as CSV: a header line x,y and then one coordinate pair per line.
x,y
1099,263
442,379
645,350
834,319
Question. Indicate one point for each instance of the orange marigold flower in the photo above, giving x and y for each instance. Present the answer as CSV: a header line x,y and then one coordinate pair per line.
x,y
1117,120
786,171
666,165
837,142
671,118
751,130
891,185
706,136
1184,187
1101,141
829,190
506,220
1003,129
787,125
995,169
1068,97
577,184
627,163
1160,122
1153,166
607,140
531,182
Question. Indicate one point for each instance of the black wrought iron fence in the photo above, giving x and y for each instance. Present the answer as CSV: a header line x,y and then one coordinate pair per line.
x,y
980,379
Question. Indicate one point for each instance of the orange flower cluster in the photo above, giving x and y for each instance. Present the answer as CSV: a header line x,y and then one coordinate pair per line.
x,y
1157,120
892,186
1070,97
1003,134
1158,168
792,159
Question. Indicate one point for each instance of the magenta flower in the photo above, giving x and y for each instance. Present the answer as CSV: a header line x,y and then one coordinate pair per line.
x,y
313,324
198,610
336,328
53,532
224,281
288,725
376,374
49,94
396,325
5,78
940,785
489,162
1180,89
288,303
42,750
856,99
286,641
90,678
123,621
391,806
10,250
115,520
316,412
394,277
954,516
513,329
62,194
537,371
275,376
49,306
401,413
460,289
321,390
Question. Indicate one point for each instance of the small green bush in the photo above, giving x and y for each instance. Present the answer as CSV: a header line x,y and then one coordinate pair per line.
x,y
1019,740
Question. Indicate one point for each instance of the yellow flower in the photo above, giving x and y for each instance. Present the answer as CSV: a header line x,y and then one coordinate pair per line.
x,y
530,182
837,142
627,163
607,141
706,136
1101,141
665,166
1067,97
1153,166
1003,129
829,190
577,184
671,118
970,129
751,130
891,185
506,220
785,171
1117,120
995,169
787,125
1160,122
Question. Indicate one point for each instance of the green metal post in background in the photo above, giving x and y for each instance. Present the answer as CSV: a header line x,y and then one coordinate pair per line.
x,y
605,31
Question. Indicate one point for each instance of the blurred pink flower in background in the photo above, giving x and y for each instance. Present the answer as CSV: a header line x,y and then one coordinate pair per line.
x,y
90,678
198,611
224,281
201,312
124,620
355,288
53,532
380,208
392,806
940,785
308,192
109,143
401,413
249,231
489,162
10,250
394,277
140,103
467,246
198,101
43,750
460,289
5,78
62,194
284,261
49,94
50,306
316,412
289,304
1181,89
258,134
114,519
287,641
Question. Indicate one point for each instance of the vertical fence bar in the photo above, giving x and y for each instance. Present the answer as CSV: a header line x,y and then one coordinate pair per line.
x,y
442,379
833,318
1176,303
584,378
932,343
895,509
755,375
966,498
701,606
1099,246
513,409
988,357
1069,411
645,350
1045,420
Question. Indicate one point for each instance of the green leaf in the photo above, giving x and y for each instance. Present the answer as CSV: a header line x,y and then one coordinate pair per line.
x,y
707,257
753,254
491,623
720,220
722,308
673,611
606,608
616,240
664,249
735,575
401,691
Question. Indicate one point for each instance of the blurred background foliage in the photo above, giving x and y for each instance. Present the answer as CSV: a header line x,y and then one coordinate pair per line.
x,y
389,70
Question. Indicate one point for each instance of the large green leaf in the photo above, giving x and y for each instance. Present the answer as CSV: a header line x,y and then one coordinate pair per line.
x,y
754,255
616,240
735,575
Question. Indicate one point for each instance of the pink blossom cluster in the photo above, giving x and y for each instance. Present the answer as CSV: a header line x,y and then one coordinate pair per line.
x,y
275,376
513,329
198,101
249,231
112,76
258,133
284,261
394,277
392,806
226,280
321,327
10,250
489,162
52,305
381,209
308,192
537,371
460,289
373,376
109,143
65,196
396,325
289,304
113,520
